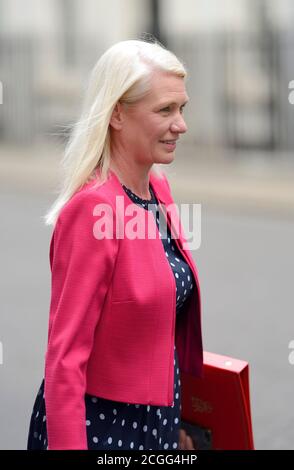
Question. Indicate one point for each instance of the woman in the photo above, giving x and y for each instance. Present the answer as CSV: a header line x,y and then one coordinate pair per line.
x,y
125,310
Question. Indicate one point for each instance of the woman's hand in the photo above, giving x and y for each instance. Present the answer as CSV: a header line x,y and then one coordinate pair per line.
x,y
185,441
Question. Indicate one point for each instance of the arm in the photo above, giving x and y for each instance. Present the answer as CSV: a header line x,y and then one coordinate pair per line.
x,y
81,268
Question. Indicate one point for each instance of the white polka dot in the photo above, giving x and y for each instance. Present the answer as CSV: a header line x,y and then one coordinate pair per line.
x,y
165,446
114,421
158,411
44,442
35,434
185,291
160,440
102,416
183,283
183,269
145,428
177,259
44,418
172,264
177,395
175,445
164,422
109,440
177,276
188,277
94,399
131,445
114,411
148,408
119,443
37,414
135,425
177,370
40,437
154,432
137,406
95,439
123,422
168,239
166,254
176,420
141,448
88,422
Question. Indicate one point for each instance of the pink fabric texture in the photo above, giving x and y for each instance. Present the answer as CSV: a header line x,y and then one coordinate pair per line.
x,y
112,320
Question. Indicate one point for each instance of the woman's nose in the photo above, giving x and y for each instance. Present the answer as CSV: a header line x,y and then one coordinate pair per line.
x,y
179,125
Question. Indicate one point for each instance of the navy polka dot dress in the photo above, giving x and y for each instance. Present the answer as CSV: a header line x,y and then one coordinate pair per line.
x,y
113,425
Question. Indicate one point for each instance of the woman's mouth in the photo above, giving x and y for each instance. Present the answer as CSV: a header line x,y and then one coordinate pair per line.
x,y
169,144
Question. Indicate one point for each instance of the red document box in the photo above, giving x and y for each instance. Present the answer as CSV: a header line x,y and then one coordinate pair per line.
x,y
216,409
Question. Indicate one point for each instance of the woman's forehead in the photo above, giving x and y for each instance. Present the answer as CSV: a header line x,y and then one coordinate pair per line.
x,y
168,97
165,87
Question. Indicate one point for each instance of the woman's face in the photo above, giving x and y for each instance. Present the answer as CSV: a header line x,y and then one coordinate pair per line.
x,y
142,131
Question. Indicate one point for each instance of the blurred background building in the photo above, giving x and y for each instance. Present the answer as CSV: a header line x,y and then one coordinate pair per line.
x,y
236,160
238,54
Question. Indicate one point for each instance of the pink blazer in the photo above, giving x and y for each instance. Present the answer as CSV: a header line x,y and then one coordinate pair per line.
x,y
112,321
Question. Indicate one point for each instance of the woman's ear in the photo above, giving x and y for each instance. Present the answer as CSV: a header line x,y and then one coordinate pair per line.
x,y
117,117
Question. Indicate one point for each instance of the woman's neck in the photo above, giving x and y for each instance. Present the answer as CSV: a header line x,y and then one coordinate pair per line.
x,y
138,184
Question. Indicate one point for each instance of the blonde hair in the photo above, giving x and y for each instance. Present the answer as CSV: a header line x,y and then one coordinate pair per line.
x,y
123,74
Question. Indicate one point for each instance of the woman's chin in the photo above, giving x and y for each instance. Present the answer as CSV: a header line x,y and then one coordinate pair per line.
x,y
167,158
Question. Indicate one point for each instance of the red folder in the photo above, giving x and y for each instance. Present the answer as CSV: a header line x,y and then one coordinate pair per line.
x,y
216,409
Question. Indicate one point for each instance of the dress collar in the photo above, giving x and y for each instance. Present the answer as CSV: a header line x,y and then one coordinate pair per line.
x,y
158,186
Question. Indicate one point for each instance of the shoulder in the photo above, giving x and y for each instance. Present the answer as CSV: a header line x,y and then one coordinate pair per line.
x,y
164,180
83,203
76,226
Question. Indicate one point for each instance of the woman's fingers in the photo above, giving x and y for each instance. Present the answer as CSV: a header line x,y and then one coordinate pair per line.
x,y
182,439
185,441
189,443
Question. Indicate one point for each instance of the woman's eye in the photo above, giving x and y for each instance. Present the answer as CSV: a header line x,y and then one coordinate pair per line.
x,y
167,109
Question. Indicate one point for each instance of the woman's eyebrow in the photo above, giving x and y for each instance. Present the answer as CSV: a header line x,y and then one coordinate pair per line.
x,y
173,103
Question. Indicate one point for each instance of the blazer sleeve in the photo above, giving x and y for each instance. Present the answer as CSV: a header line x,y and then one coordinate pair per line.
x,y
81,271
